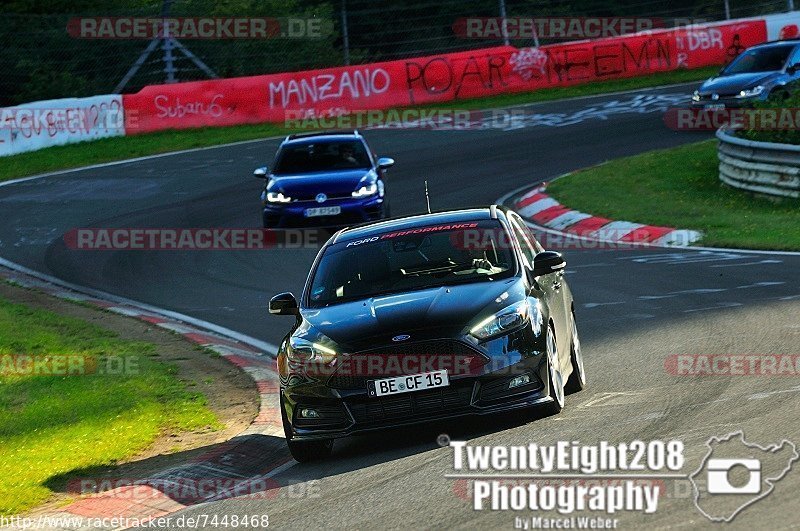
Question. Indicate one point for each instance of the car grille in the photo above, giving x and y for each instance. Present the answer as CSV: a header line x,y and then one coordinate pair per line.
x,y
345,218
707,97
410,358
410,405
313,197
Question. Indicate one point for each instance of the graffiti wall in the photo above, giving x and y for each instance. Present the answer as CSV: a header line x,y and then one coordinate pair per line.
x,y
380,86
43,124
434,79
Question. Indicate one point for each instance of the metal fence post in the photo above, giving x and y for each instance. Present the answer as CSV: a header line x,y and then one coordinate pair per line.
x,y
504,26
345,35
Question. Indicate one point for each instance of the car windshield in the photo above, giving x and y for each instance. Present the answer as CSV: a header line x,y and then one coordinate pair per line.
x,y
321,156
412,259
767,59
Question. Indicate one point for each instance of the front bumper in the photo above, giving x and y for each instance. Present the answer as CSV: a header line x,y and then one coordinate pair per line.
x,y
485,390
353,211
724,102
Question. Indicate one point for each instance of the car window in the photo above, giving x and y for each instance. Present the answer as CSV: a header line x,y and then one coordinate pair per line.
x,y
321,156
528,250
795,57
412,259
537,247
766,59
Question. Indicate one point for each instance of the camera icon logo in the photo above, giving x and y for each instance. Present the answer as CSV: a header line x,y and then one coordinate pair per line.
x,y
719,471
735,474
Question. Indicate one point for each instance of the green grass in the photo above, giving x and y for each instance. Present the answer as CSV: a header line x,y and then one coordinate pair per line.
x,y
51,425
110,149
680,188
788,133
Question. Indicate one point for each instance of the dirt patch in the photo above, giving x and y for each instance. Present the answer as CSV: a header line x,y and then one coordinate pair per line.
x,y
231,393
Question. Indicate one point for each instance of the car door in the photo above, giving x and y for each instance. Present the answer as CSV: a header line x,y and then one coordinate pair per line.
x,y
566,297
793,74
551,286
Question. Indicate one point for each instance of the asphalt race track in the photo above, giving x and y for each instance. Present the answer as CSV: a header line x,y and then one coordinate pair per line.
x,y
635,309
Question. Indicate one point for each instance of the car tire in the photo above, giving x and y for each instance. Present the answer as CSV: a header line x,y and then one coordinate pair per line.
x,y
556,381
778,95
577,380
305,451
308,451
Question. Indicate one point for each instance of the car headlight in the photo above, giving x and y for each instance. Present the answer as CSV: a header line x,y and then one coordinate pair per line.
x,y
367,190
509,318
696,95
304,351
749,93
278,197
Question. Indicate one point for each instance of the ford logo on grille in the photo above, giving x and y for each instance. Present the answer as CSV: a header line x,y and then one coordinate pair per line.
x,y
321,198
401,337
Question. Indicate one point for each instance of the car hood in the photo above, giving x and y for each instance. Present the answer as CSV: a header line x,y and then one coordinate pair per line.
x,y
332,183
425,314
732,84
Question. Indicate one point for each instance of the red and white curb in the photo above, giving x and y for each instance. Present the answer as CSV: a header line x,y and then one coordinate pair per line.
x,y
227,460
539,208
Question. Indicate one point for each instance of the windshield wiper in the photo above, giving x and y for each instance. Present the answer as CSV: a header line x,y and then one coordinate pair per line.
x,y
447,268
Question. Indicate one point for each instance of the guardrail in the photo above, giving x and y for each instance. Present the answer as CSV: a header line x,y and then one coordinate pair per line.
x,y
761,167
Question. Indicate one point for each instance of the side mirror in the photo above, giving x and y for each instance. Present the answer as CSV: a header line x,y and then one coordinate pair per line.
x,y
792,69
283,304
548,262
385,162
261,172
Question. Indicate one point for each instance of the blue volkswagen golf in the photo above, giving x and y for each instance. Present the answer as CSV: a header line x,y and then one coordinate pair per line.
x,y
326,179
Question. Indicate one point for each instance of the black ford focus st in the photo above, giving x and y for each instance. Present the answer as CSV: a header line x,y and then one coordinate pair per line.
x,y
422,318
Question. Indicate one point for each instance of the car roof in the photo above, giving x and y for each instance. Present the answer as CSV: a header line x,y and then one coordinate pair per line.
x,y
419,220
321,137
776,44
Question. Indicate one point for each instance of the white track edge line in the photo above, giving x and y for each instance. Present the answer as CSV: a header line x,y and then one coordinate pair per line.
x,y
264,346
242,142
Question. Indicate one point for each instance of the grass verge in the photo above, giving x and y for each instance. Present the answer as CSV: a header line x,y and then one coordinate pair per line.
x,y
680,188
120,148
110,400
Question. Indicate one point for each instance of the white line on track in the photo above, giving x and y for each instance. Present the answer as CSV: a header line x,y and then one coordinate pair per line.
x,y
137,159
221,330
720,306
749,263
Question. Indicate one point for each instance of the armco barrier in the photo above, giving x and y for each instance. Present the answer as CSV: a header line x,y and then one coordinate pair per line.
x,y
762,167
434,79
42,124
